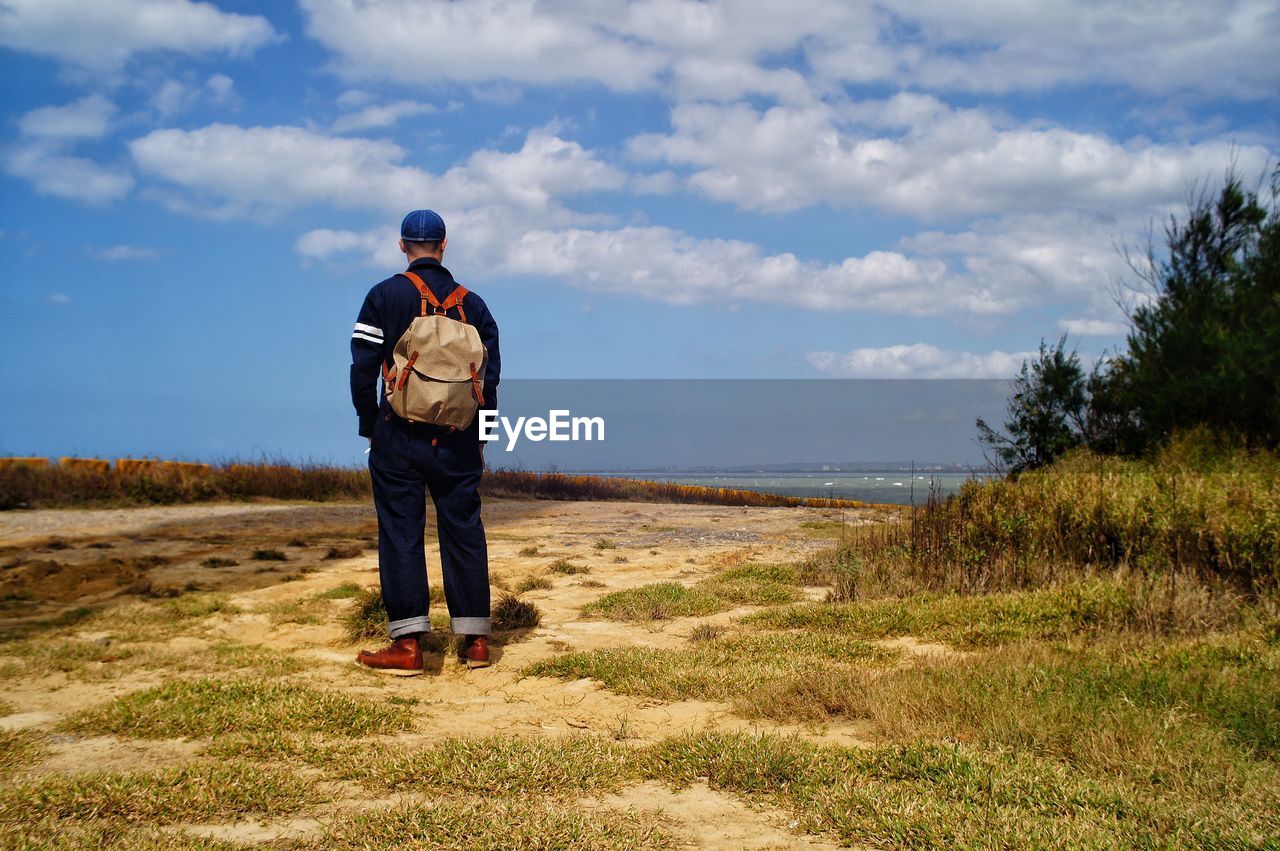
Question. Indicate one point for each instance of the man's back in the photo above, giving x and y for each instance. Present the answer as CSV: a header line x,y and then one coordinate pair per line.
x,y
386,314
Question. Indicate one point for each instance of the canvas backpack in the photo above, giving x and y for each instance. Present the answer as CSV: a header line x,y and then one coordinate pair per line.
x,y
438,372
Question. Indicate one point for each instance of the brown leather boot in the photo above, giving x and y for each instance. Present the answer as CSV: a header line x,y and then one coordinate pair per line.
x,y
401,658
474,650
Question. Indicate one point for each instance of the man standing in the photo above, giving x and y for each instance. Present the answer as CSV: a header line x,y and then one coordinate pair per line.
x,y
409,459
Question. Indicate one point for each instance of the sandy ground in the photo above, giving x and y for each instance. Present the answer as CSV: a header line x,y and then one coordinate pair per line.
x,y
166,550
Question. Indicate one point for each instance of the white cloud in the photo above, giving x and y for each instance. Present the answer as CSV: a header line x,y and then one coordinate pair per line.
x,y
103,34
119,253
380,115
266,170
42,154
52,172
656,183
1218,47
58,299
993,269
477,41
226,170
919,360
1094,327
171,98
1029,258
702,78
718,49
725,49
942,162
87,118
354,98
665,265
174,97
221,88
376,248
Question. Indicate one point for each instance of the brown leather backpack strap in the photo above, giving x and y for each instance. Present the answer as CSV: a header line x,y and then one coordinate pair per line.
x,y
428,297
477,386
404,373
454,299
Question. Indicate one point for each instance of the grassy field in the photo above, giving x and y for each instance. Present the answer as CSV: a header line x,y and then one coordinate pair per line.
x,y
715,677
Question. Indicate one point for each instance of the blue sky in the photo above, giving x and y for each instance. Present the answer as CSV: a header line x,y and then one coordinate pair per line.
x,y
196,196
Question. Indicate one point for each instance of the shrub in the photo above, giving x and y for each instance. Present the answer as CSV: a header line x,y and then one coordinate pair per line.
x,y
368,616
510,612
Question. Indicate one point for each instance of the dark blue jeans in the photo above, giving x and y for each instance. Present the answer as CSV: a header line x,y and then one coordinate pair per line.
x,y
407,462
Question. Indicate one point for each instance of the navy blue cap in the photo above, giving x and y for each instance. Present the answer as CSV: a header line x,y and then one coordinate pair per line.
x,y
422,226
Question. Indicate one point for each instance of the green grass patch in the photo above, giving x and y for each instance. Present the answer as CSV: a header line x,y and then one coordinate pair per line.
x,y
603,544
737,668
211,707
533,583
977,621
141,618
108,659
749,591
492,766
197,792
222,656
736,762
747,585
279,745
345,591
19,749
924,795
367,617
824,529
661,601
116,834
311,610
706,632
783,574
1184,713
499,825
568,568
91,659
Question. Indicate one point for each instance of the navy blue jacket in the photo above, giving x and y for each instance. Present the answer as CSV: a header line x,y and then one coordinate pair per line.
x,y
387,311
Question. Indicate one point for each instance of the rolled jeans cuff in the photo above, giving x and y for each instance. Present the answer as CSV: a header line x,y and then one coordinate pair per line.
x,y
408,626
471,626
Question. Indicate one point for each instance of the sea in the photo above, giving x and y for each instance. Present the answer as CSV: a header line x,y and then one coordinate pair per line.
x,y
890,487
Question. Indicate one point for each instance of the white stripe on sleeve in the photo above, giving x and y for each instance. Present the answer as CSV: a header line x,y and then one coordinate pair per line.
x,y
369,329
375,340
